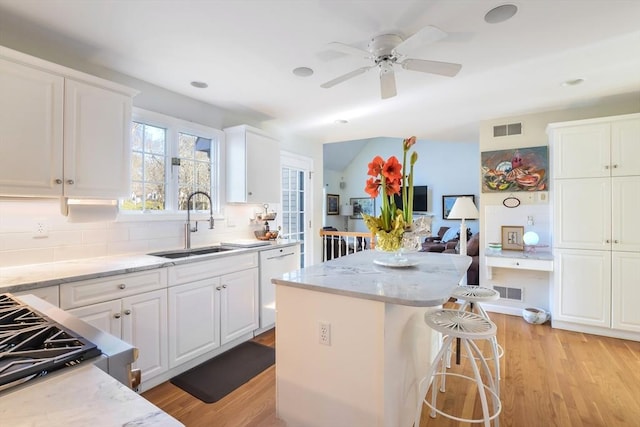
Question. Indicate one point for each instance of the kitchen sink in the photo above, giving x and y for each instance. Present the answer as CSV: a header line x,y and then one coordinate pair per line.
x,y
183,253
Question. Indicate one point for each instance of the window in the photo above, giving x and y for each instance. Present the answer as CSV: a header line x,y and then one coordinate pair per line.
x,y
171,159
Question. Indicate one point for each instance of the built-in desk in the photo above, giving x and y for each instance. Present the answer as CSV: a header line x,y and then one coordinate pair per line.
x,y
539,260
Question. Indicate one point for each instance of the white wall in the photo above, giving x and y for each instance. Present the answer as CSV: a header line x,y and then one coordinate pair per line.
x,y
445,167
535,285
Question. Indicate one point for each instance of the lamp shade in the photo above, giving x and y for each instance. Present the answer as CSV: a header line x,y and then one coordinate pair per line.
x,y
346,210
463,208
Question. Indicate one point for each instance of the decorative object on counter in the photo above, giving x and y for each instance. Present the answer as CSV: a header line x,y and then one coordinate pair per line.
x,y
521,169
536,316
267,234
389,178
512,237
266,216
449,201
333,202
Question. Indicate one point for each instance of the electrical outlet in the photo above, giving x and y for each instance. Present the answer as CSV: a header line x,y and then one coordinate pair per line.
x,y
324,333
41,230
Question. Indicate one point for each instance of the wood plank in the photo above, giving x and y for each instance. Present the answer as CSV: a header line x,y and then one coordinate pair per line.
x,y
550,377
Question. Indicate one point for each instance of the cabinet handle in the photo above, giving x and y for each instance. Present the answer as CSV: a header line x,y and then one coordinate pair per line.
x,y
606,166
517,263
218,288
122,286
224,286
607,241
127,312
70,182
615,241
615,166
117,315
58,181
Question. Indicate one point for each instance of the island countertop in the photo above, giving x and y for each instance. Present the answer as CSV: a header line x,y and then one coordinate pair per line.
x,y
425,280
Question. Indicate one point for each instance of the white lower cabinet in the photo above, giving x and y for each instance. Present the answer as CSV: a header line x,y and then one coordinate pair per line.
x,y
208,312
597,288
132,307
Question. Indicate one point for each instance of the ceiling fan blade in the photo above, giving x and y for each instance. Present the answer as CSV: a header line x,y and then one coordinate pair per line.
x,y
428,34
345,77
387,81
447,69
349,50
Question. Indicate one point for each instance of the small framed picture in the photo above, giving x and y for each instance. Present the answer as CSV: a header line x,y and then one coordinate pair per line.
x,y
333,204
362,205
512,238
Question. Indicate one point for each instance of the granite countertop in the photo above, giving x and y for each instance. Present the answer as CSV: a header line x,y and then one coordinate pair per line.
x,y
34,276
80,397
426,279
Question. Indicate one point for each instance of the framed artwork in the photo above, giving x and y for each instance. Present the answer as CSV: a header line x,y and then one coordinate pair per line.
x,y
448,201
362,205
518,169
333,204
512,237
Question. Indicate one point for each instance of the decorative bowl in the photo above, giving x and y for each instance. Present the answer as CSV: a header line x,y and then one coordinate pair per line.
x,y
266,235
534,315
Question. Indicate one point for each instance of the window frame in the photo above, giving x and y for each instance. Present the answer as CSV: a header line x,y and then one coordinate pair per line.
x,y
173,127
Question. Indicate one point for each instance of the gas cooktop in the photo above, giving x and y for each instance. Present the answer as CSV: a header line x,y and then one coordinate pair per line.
x,y
31,344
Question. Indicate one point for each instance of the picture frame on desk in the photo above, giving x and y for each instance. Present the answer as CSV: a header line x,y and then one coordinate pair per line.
x,y
333,204
512,237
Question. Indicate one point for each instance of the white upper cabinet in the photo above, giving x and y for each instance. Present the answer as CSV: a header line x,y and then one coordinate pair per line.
x,y
62,132
253,166
31,111
596,148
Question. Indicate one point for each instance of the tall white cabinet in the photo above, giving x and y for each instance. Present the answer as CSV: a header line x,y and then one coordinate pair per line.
x,y
596,198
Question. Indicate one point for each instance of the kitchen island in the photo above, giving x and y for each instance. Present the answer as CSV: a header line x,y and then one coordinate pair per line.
x,y
351,342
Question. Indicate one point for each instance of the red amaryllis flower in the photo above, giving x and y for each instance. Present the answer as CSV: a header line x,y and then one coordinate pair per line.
x,y
375,167
372,187
392,169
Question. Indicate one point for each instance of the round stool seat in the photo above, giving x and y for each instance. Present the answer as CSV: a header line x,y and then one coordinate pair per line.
x,y
475,293
460,324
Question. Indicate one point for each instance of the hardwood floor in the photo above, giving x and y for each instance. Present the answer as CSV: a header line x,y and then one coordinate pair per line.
x,y
550,377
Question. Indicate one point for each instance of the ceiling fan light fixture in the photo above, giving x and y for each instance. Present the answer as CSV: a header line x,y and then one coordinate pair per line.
x,y
199,85
500,14
341,121
302,71
572,82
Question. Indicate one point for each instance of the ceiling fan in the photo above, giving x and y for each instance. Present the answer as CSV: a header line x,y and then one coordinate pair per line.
x,y
387,50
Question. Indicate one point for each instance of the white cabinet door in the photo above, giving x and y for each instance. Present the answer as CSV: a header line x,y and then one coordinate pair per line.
x,y
194,320
31,109
238,304
581,151
96,141
106,316
582,287
625,205
144,325
582,213
253,166
274,263
625,147
625,291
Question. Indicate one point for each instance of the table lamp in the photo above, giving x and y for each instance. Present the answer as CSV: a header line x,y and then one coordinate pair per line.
x,y
463,209
346,211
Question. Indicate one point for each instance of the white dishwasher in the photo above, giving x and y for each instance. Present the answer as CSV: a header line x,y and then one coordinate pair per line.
x,y
274,263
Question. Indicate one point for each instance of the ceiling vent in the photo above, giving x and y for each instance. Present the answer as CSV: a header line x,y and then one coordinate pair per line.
x,y
507,130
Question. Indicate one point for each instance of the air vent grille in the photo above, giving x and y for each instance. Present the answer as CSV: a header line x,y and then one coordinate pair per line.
x,y
509,293
507,130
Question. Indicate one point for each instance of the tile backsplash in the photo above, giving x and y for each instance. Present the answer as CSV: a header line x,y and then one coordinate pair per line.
x,y
34,231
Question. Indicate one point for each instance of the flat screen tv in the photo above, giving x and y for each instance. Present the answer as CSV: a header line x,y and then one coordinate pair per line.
x,y
419,199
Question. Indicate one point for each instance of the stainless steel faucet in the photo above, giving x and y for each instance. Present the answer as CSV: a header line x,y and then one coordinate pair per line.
x,y
187,227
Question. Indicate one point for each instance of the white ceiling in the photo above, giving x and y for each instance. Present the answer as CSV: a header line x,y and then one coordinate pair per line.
x,y
246,51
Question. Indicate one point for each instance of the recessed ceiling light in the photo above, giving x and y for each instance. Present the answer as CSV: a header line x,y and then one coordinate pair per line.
x,y
303,71
500,13
200,85
572,82
341,121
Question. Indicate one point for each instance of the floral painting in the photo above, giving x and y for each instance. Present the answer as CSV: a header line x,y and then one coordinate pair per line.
x,y
519,169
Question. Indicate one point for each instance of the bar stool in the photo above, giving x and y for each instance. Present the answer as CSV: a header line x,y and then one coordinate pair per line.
x,y
472,297
466,326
